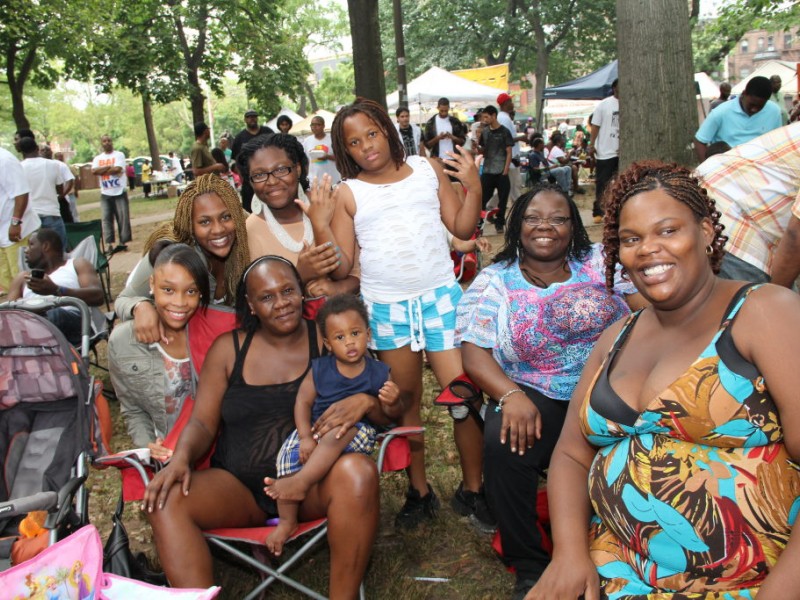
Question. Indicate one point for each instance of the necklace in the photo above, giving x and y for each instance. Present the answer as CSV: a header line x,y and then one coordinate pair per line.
x,y
536,279
280,233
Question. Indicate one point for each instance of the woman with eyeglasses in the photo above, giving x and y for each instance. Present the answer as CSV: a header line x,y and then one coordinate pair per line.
x,y
527,325
281,222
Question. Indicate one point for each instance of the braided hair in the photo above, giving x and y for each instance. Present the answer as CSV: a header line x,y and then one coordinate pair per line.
x,y
579,245
283,141
347,166
676,181
181,228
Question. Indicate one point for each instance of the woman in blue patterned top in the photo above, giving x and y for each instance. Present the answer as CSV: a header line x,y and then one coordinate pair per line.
x,y
527,325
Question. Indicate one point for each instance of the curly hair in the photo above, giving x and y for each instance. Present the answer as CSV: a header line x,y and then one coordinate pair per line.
x,y
338,304
579,245
283,141
181,228
679,183
346,165
249,322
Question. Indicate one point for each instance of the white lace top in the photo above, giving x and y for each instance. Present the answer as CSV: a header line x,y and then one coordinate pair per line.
x,y
399,231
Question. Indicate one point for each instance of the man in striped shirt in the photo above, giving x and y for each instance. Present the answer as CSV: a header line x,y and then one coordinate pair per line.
x,y
756,186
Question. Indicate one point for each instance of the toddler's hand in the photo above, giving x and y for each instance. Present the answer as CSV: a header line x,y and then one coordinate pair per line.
x,y
389,395
307,446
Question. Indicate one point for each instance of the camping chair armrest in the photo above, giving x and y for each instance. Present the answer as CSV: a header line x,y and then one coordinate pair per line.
x,y
386,437
128,459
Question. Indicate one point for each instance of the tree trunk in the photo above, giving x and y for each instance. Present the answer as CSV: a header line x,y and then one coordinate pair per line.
x,y
196,97
18,106
658,109
312,99
367,59
152,142
542,65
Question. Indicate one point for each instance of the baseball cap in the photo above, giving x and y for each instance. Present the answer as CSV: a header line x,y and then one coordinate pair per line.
x,y
251,113
503,98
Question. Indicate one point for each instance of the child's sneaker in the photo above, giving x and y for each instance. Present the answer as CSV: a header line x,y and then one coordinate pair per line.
x,y
473,505
417,509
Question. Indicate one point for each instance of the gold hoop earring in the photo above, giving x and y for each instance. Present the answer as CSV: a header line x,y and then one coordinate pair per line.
x,y
709,250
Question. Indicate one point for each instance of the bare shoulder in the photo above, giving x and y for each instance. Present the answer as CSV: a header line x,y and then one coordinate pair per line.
x,y
771,313
344,198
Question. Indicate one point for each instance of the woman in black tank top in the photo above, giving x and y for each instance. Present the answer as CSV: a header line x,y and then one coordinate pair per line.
x,y
246,395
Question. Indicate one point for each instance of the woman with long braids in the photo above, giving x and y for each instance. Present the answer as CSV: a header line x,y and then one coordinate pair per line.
x,y
526,325
676,472
210,218
281,222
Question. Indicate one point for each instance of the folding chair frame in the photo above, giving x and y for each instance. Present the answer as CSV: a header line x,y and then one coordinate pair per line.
x,y
225,538
77,232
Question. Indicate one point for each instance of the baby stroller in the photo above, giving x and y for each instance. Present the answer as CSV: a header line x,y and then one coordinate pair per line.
x,y
49,424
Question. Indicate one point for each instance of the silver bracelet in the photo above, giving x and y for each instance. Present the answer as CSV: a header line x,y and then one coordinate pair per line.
x,y
501,400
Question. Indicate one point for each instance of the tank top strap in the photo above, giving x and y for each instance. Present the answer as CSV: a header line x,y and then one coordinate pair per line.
x,y
622,336
736,303
313,345
240,353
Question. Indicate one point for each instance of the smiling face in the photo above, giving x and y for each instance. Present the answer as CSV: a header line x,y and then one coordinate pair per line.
x,y
274,297
545,242
213,226
663,248
346,336
366,142
175,294
278,193
752,104
284,126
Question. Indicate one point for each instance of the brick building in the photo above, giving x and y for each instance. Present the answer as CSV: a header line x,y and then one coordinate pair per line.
x,y
760,45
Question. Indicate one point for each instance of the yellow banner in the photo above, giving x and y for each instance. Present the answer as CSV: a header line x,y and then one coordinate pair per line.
x,y
494,76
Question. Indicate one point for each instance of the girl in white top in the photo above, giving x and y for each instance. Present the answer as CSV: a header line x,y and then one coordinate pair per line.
x,y
393,208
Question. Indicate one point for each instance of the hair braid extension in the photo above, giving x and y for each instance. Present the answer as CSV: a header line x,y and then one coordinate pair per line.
x,y
676,181
181,229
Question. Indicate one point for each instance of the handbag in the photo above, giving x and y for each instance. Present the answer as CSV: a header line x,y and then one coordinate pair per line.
x,y
118,558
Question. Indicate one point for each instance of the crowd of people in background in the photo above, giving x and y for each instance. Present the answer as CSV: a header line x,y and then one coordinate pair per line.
x,y
580,348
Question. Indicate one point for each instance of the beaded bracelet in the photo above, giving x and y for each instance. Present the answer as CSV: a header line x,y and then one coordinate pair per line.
x,y
502,399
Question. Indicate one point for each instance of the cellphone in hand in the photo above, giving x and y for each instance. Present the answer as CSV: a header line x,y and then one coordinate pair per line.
x,y
448,167
37,273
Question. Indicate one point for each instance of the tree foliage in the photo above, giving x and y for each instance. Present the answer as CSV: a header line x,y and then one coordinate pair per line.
x,y
35,37
556,39
714,39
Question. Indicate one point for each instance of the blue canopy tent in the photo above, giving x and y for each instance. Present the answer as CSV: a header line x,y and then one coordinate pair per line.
x,y
594,86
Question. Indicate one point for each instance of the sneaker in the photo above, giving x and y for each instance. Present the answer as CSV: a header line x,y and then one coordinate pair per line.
x,y
417,509
597,219
522,587
473,505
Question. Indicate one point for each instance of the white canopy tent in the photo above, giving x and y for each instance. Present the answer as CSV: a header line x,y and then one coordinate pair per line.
x,y
786,69
436,83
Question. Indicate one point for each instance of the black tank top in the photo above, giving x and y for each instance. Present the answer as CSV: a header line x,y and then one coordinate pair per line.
x,y
256,419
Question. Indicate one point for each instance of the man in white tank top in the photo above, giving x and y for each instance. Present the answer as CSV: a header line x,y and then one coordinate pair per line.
x,y
53,274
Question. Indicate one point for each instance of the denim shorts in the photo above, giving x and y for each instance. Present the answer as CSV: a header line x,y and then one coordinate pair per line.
x,y
427,322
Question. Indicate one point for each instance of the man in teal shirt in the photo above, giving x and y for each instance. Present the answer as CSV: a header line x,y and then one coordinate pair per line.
x,y
741,119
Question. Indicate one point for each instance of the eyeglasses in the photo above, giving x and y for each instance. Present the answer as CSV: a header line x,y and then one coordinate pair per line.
x,y
279,173
532,221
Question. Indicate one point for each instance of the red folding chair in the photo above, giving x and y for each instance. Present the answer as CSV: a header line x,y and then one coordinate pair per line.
x,y
136,468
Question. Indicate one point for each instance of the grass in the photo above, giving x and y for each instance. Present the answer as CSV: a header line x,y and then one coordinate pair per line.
x,y
448,548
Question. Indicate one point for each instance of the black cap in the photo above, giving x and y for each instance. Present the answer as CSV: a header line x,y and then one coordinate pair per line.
x,y
251,113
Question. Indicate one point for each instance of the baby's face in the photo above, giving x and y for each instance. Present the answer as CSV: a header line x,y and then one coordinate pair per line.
x,y
346,336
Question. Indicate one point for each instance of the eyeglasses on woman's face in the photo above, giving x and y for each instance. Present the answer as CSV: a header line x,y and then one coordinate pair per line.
x,y
263,176
533,221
